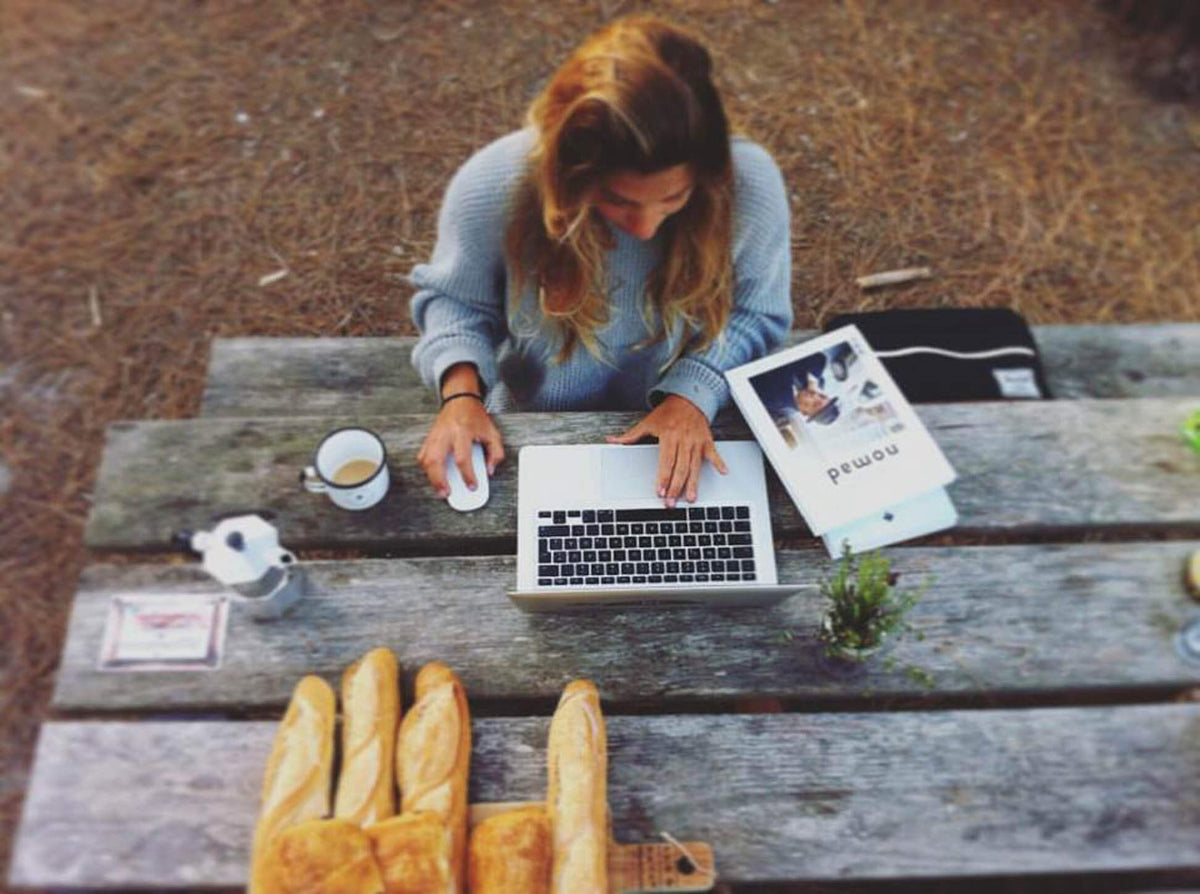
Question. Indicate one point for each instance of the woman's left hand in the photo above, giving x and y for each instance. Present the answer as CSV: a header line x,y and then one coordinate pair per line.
x,y
684,442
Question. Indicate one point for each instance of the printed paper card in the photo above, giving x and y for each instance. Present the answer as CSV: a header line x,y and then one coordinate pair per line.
x,y
842,438
164,631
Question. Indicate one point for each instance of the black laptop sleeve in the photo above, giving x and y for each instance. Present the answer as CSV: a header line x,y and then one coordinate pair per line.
x,y
944,355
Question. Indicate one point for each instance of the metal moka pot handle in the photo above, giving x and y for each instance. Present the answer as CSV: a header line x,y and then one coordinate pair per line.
x,y
182,541
182,538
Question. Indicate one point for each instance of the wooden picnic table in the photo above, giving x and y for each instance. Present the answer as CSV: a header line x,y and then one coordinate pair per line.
x,y
1034,723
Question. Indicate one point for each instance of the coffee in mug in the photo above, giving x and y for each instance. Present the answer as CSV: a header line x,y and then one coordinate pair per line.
x,y
356,471
350,467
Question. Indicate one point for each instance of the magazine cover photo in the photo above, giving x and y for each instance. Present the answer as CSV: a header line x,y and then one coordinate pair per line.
x,y
826,403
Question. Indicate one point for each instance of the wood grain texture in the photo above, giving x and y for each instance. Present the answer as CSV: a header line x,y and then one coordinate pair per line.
x,y
256,377
314,377
1126,360
1023,466
780,797
996,619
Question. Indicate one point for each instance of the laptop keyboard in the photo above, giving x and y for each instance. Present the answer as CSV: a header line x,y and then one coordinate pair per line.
x,y
597,547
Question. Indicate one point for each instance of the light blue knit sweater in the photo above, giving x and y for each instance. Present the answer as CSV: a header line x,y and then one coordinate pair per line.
x,y
460,307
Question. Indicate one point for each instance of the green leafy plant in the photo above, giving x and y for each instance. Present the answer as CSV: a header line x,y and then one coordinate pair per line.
x,y
863,606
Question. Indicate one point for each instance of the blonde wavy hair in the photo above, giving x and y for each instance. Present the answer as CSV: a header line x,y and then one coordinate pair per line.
x,y
635,97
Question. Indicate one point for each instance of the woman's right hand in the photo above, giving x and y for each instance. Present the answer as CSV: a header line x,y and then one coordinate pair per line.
x,y
458,425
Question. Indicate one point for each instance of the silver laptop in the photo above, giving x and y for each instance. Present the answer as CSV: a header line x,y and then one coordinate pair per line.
x,y
591,531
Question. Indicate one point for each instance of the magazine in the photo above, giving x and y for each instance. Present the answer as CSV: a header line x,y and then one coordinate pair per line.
x,y
851,452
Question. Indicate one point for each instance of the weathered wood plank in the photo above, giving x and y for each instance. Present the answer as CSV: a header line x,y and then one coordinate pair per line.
x,y
1002,619
313,377
256,377
1023,466
780,797
1129,360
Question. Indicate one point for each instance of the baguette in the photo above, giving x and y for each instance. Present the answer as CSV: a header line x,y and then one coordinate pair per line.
x,y
510,853
370,715
326,856
577,795
413,853
299,771
433,756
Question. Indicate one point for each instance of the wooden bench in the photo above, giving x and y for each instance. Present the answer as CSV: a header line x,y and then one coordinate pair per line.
x,y
374,376
1094,464
942,794
1043,730
1105,619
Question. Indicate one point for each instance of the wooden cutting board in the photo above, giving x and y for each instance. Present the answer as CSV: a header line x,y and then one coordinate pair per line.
x,y
639,868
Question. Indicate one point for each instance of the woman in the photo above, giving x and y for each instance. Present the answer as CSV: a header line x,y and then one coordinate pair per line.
x,y
620,252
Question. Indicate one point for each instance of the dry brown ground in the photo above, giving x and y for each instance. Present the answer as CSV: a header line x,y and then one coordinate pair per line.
x,y
158,159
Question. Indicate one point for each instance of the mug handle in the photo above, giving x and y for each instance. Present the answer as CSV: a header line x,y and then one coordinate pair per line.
x,y
311,481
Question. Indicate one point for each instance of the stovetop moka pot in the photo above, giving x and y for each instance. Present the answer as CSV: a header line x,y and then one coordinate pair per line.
x,y
243,552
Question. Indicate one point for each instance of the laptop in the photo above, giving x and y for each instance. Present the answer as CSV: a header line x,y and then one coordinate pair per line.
x,y
591,531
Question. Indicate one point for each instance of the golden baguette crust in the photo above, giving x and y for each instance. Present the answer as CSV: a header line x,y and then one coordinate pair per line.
x,y
370,717
319,857
299,770
433,757
510,853
577,792
413,853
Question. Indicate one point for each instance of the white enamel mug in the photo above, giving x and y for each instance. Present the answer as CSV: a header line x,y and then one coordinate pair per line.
x,y
350,467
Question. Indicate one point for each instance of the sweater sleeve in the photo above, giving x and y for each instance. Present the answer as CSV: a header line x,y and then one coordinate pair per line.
x,y
762,305
459,306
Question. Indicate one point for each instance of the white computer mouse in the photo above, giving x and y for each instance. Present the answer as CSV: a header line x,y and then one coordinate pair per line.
x,y
461,498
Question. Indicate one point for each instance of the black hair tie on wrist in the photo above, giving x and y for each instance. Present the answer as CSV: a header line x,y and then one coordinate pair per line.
x,y
446,400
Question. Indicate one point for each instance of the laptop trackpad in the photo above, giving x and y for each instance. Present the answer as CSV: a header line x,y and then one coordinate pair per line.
x,y
631,473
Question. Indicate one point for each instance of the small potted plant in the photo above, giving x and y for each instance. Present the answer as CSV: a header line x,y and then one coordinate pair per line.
x,y
863,606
